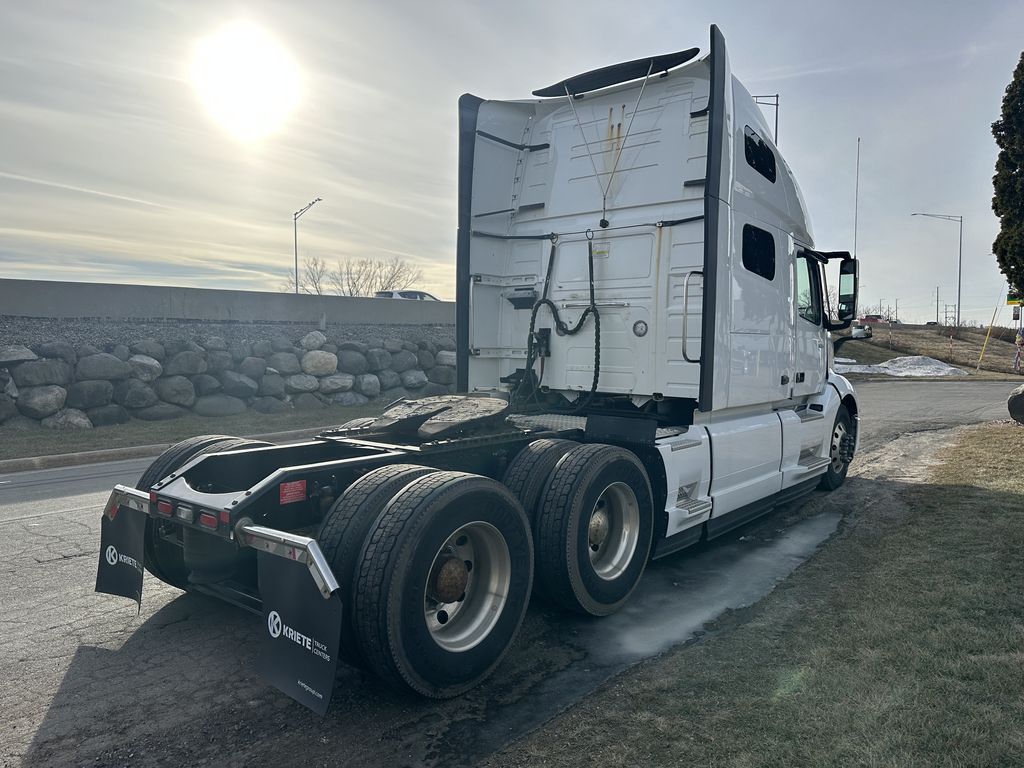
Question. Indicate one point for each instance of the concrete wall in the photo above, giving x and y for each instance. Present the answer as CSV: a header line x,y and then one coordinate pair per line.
x,y
54,299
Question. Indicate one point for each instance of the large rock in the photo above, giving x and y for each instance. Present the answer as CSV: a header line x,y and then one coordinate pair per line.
x,y
414,379
262,349
160,412
350,361
368,385
332,348
339,382
425,360
215,344
134,394
431,389
89,394
402,360
15,353
446,344
10,388
389,379
40,402
285,363
121,352
428,345
238,384
240,350
392,394
270,405
145,367
84,350
57,350
185,363
205,384
307,402
349,398
176,390
281,344
149,348
102,366
441,374
38,373
445,357
272,385
1015,404
253,367
219,360
106,415
218,405
319,363
393,345
7,408
301,382
378,359
174,346
313,340
67,418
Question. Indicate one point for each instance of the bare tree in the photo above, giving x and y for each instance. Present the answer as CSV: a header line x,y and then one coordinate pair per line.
x,y
313,278
364,277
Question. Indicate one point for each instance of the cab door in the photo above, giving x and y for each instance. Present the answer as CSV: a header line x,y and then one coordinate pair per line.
x,y
809,358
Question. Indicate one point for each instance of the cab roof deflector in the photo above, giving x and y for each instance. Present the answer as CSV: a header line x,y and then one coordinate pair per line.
x,y
617,73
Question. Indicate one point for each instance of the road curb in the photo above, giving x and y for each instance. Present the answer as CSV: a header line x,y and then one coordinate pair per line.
x,y
9,466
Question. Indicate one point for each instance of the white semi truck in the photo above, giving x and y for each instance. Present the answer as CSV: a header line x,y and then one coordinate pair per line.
x,y
643,345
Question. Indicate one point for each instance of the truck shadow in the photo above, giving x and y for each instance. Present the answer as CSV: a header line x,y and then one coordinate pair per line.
x,y
182,688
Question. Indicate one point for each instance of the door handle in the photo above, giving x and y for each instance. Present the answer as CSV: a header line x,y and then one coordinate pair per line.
x,y
686,312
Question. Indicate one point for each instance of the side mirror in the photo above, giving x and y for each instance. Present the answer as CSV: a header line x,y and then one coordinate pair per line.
x,y
848,283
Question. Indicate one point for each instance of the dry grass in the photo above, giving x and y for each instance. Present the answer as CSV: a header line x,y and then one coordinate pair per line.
x,y
900,643
934,342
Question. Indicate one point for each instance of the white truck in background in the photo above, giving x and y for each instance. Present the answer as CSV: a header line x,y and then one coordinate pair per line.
x,y
643,350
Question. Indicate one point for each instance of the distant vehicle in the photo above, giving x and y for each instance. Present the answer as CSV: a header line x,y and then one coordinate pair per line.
x,y
860,331
415,295
871,319
932,322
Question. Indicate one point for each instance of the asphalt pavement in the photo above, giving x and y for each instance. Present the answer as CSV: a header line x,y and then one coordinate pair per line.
x,y
90,682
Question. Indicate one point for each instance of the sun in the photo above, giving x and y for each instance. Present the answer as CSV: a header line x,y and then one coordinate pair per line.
x,y
246,80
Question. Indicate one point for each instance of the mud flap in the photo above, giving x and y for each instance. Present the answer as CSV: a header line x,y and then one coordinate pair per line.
x,y
301,632
122,532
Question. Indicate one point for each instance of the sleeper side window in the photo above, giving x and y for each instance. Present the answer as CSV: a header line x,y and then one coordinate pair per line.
x,y
759,155
759,252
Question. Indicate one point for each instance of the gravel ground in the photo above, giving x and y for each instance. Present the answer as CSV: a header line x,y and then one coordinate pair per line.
x,y
103,333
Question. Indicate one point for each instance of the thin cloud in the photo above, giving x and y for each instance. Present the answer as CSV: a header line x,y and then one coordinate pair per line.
x,y
82,190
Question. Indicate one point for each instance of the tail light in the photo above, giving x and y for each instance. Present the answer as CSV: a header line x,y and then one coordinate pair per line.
x,y
207,520
165,508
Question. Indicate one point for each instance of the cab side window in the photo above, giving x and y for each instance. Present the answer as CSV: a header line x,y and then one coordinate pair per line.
x,y
808,290
759,155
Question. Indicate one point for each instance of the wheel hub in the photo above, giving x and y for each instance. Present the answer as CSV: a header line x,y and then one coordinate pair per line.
x,y
449,580
599,528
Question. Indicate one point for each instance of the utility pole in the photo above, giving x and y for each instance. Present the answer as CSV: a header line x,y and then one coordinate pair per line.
x,y
897,309
856,199
295,227
959,258
936,305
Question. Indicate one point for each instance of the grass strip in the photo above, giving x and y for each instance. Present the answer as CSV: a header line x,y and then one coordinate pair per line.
x,y
900,643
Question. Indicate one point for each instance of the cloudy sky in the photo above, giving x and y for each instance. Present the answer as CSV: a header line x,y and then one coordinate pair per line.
x,y
115,168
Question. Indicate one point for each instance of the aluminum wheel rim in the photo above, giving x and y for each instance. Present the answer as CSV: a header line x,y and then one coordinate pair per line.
x,y
457,625
836,454
613,531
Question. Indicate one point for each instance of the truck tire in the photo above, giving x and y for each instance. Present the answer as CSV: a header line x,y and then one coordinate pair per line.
x,y
161,558
444,581
840,452
593,529
528,472
344,530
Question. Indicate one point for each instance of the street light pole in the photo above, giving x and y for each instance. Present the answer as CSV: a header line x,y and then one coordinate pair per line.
x,y
295,228
959,258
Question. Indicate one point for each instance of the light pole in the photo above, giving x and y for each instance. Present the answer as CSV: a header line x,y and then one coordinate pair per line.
x,y
959,258
295,227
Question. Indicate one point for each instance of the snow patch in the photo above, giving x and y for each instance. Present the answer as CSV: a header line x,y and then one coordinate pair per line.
x,y
917,365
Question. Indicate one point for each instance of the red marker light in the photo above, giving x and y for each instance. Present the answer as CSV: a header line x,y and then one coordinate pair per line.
x,y
165,508
225,517
208,520
152,497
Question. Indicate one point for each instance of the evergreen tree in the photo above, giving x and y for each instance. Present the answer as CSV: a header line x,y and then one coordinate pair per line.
x,y
1008,200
